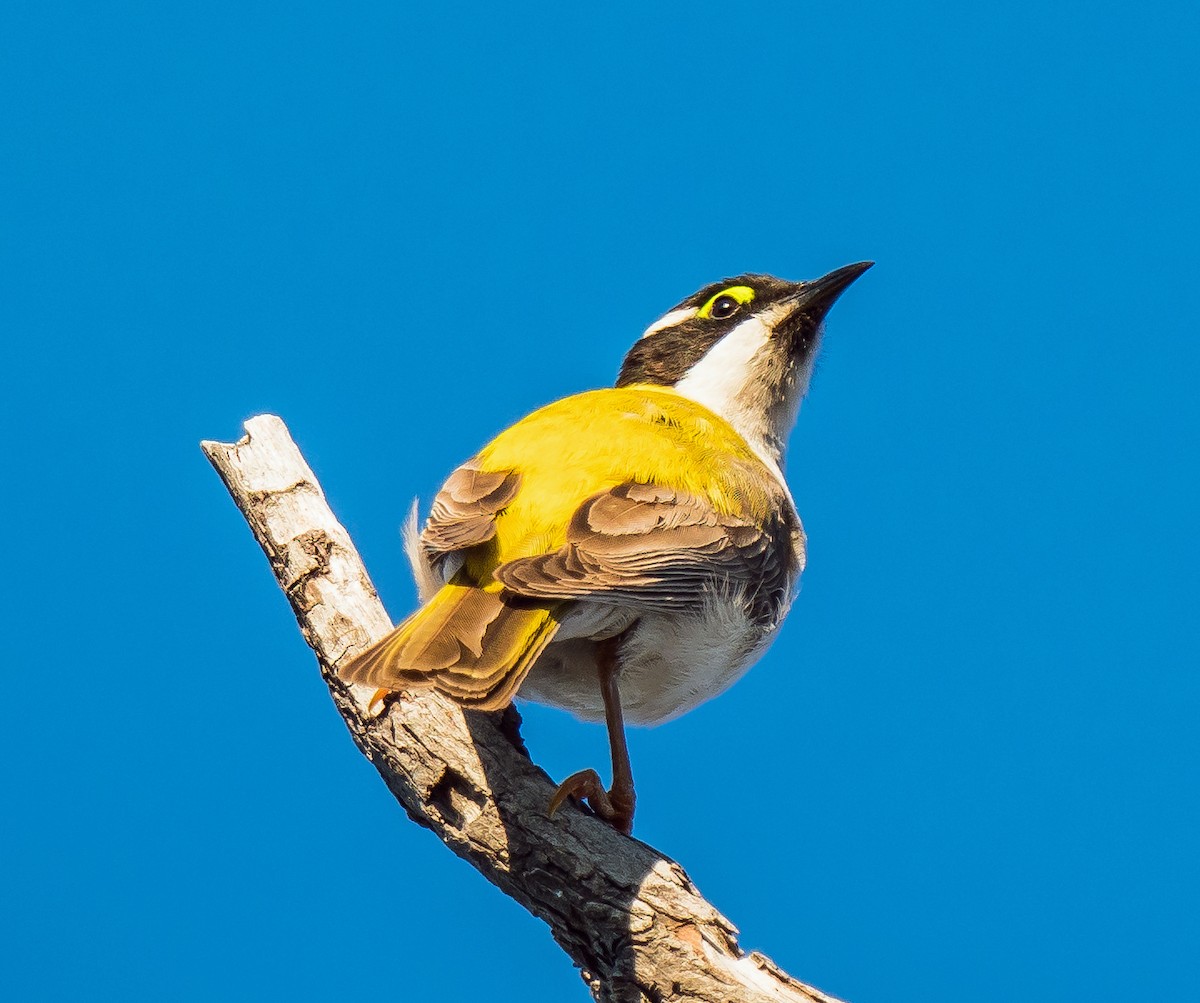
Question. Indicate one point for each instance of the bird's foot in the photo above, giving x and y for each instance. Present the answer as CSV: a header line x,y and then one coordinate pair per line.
x,y
614,806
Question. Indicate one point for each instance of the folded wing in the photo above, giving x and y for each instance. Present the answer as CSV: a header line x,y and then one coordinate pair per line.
x,y
665,549
464,512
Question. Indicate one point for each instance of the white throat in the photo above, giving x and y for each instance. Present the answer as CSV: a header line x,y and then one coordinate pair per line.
x,y
744,379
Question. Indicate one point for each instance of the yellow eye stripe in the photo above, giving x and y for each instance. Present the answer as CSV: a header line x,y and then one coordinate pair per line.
x,y
743,294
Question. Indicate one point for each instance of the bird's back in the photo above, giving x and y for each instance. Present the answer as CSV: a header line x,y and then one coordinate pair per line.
x,y
569,451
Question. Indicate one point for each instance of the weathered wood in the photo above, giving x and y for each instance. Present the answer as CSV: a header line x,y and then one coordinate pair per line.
x,y
626,915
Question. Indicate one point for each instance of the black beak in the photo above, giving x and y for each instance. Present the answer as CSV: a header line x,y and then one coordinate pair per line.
x,y
815,298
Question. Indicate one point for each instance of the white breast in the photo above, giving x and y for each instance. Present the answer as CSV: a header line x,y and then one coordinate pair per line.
x,y
670,663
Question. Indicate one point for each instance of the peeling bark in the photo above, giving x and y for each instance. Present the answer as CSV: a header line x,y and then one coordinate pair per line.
x,y
626,915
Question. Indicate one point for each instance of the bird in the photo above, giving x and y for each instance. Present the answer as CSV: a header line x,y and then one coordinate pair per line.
x,y
628,552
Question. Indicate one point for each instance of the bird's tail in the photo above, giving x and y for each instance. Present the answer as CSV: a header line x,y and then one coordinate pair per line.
x,y
473,645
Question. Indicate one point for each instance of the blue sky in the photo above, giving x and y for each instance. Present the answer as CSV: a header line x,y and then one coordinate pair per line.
x,y
969,764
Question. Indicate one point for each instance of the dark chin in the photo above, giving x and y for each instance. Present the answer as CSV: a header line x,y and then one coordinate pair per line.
x,y
801,335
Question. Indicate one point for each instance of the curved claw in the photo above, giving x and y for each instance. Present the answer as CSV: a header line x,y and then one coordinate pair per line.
x,y
608,805
583,785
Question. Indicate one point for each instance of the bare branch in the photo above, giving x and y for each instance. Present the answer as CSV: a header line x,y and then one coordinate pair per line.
x,y
628,916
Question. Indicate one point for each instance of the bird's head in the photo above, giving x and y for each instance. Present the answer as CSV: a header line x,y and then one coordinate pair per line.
x,y
744,348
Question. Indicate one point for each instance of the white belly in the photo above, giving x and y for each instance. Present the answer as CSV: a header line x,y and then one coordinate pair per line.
x,y
669,663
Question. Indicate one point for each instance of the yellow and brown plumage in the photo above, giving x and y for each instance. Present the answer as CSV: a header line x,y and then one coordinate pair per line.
x,y
661,497
630,549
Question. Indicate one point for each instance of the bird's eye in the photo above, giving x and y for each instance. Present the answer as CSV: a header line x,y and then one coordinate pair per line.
x,y
724,306
726,303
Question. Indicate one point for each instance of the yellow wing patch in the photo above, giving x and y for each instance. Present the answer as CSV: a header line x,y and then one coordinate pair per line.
x,y
743,294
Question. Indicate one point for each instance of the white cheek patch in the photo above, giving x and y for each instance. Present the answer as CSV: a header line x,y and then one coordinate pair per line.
x,y
718,379
721,380
670,320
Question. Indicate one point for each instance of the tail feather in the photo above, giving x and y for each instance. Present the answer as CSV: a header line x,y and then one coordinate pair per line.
x,y
466,642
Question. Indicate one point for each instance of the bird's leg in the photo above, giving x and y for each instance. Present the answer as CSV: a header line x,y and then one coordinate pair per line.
x,y
616,805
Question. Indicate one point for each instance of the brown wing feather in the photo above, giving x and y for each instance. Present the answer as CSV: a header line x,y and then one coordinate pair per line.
x,y
664,547
464,511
